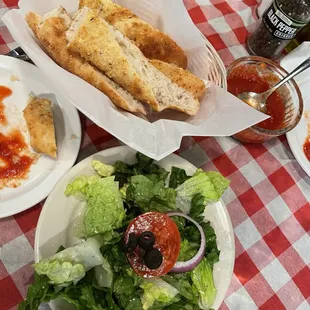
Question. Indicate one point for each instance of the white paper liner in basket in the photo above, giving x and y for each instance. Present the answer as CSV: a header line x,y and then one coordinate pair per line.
x,y
220,114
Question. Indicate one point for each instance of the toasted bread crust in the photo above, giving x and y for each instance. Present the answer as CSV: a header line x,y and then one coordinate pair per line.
x,y
93,40
39,118
181,77
52,36
153,43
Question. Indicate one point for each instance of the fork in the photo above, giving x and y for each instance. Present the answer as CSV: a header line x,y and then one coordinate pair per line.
x,y
19,53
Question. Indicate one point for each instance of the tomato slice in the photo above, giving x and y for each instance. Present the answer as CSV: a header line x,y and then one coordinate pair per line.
x,y
167,241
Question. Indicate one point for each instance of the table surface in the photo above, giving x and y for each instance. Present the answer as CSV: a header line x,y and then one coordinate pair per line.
x,y
268,200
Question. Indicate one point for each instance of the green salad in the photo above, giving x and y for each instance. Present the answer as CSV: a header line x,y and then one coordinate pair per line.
x,y
145,244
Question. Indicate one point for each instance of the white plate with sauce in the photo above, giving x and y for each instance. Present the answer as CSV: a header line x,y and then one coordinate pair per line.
x,y
297,137
57,223
25,79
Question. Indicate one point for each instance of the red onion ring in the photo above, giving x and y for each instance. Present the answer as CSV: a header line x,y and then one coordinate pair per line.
x,y
189,265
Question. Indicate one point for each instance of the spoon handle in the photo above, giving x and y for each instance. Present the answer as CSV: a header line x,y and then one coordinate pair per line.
x,y
302,67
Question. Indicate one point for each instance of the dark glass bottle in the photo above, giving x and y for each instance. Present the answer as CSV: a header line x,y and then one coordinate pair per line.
x,y
278,26
302,36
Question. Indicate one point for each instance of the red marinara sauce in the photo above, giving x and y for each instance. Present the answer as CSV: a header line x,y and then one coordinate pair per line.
x,y
247,79
13,163
4,92
306,146
307,149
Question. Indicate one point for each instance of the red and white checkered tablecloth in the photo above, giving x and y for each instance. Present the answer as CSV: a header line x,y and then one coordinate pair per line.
x,y
268,200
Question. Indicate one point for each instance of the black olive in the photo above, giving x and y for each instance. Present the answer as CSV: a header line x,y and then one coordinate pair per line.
x,y
130,245
132,241
153,259
146,240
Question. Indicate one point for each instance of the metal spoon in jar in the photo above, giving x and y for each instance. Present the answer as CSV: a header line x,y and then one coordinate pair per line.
x,y
258,101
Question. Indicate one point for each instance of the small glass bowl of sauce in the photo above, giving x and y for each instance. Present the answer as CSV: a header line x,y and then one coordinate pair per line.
x,y
285,105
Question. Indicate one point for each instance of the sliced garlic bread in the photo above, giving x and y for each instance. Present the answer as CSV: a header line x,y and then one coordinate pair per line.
x,y
89,35
50,31
153,43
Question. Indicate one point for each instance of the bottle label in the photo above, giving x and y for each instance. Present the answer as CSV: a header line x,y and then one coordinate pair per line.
x,y
279,24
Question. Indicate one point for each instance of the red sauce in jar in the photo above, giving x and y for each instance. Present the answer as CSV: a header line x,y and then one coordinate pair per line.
x,y
247,79
4,92
13,163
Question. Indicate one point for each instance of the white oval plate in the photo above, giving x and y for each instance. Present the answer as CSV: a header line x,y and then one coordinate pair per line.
x,y
47,171
297,137
59,212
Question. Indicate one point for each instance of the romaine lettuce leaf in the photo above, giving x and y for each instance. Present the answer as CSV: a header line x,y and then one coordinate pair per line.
x,y
84,296
213,256
140,190
123,191
164,198
177,177
220,183
211,185
202,278
104,211
181,305
102,169
61,272
124,285
143,163
151,196
80,186
146,166
38,292
133,304
187,250
210,236
156,289
71,264
197,208
116,258
183,283
123,168
143,166
160,173
104,274
87,298
191,235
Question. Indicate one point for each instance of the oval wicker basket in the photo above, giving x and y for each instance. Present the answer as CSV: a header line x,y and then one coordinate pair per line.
x,y
217,73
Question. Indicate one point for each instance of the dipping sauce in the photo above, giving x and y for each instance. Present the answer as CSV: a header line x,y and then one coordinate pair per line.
x,y
247,79
306,146
15,158
4,92
285,106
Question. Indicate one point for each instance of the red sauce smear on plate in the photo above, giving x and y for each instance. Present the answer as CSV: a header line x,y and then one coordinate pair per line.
x,y
307,149
246,80
4,92
13,164
306,145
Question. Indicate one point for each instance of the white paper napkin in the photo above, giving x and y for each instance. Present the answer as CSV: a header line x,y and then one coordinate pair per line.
x,y
291,61
221,114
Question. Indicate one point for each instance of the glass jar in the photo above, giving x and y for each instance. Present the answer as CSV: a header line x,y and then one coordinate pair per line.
x,y
290,94
278,26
